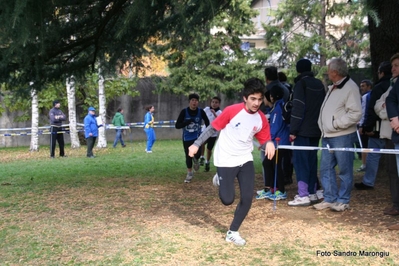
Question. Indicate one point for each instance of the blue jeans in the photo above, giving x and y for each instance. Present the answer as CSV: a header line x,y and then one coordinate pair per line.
x,y
344,160
118,137
372,161
150,138
305,165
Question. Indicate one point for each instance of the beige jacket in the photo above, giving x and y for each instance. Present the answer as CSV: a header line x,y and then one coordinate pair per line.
x,y
341,110
381,111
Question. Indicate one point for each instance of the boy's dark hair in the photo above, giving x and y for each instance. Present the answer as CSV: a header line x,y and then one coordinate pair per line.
x,y
267,96
217,98
119,109
386,68
271,73
277,93
252,86
193,96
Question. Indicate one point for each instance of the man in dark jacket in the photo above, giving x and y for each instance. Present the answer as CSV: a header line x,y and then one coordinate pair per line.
x,y
56,119
371,127
309,94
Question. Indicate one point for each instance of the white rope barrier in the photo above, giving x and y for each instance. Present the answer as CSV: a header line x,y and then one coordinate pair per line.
x,y
44,130
365,150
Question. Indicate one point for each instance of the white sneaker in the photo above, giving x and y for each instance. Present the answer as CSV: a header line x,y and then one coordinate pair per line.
x,y
323,205
215,180
339,207
188,178
313,198
234,237
299,201
320,194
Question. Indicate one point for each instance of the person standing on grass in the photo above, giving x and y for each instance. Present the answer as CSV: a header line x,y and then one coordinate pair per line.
x,y
238,125
365,90
56,119
371,127
91,131
386,134
212,112
392,108
149,127
309,93
340,112
118,121
190,120
279,129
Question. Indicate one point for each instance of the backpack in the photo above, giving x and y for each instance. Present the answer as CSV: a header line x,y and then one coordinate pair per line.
x,y
287,107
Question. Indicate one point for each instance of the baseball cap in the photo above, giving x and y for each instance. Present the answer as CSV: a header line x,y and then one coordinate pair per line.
x,y
91,108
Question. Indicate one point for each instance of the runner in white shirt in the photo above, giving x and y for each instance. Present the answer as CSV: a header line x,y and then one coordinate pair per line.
x,y
212,112
238,125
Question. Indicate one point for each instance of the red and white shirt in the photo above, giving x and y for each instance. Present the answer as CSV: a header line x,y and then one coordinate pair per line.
x,y
237,129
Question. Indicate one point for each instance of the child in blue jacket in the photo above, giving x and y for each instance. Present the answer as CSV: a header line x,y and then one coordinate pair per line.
x,y
280,131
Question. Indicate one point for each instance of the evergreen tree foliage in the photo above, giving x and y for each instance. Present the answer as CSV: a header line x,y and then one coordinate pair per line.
x,y
213,61
384,30
313,29
46,40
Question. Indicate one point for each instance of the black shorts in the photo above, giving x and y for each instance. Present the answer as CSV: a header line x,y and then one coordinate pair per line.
x,y
210,143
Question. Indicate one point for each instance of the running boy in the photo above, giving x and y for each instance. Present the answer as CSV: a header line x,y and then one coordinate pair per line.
x,y
238,125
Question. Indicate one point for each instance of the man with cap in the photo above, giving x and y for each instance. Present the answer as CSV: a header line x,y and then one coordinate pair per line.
x,y
91,131
56,118
190,120
309,93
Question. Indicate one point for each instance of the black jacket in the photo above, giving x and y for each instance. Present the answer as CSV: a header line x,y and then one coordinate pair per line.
x,y
309,94
372,122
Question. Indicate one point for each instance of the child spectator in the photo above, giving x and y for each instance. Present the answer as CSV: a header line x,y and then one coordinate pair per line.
x,y
279,131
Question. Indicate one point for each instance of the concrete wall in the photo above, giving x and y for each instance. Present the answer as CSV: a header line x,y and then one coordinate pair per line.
x,y
167,107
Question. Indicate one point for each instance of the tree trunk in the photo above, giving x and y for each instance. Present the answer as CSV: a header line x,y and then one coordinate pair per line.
x,y
102,141
384,39
34,138
323,57
73,132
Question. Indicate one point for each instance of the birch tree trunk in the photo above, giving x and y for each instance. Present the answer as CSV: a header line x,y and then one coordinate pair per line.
x,y
73,132
102,141
34,138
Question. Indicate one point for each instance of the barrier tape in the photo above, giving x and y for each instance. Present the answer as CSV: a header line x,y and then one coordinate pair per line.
x,y
365,150
44,130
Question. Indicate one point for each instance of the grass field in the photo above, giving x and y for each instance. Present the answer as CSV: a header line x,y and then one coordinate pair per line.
x,y
126,207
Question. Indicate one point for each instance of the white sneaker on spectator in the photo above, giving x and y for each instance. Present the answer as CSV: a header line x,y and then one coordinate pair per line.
x,y
339,207
299,201
323,205
319,194
313,198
